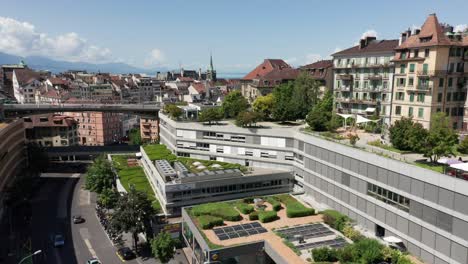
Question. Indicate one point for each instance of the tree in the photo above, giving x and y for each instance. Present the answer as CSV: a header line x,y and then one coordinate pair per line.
x,y
320,116
283,109
233,104
400,133
305,95
441,139
209,115
264,105
133,214
109,198
248,118
135,136
463,147
99,175
163,247
173,111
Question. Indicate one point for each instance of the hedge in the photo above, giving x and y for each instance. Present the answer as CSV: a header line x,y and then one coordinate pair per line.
x,y
267,216
245,208
274,203
294,208
335,219
325,254
222,210
248,200
253,216
208,221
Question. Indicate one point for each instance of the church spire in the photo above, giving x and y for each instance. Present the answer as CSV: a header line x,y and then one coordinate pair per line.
x,y
211,62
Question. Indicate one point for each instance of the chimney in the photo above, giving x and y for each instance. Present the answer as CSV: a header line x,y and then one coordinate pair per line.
x,y
369,40
362,43
417,31
402,38
408,33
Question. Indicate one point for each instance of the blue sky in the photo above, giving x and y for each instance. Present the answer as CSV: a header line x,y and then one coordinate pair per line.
x,y
240,34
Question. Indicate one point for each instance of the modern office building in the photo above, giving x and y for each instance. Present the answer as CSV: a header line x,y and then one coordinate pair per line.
x,y
426,209
177,186
430,74
363,78
13,156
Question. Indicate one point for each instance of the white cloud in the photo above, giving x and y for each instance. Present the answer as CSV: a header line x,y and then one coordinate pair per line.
x,y
291,60
155,57
369,33
460,28
21,38
313,57
337,49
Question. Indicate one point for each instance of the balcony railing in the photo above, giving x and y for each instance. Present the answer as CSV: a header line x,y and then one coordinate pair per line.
x,y
424,87
345,77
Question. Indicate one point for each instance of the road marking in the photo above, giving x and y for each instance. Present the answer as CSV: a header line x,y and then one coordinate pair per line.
x,y
90,248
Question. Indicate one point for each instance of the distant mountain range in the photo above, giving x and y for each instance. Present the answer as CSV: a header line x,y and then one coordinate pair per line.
x,y
56,66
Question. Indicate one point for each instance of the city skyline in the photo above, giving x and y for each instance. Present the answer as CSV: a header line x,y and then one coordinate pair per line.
x,y
235,35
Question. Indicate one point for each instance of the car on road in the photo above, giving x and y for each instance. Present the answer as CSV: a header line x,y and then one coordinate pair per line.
x,y
125,253
59,241
93,261
77,219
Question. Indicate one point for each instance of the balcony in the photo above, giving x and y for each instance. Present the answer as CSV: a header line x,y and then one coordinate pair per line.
x,y
344,77
343,99
408,59
424,87
343,66
343,89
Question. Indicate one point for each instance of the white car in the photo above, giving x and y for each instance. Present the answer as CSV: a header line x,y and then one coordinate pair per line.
x,y
59,241
93,261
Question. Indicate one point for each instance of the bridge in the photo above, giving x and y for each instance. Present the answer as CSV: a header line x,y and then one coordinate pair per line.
x,y
73,153
143,110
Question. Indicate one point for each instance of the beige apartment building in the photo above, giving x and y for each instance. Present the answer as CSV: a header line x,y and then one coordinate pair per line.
x,y
98,128
430,75
51,130
149,130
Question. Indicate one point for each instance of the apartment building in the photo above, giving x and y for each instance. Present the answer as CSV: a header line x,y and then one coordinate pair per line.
x,y
363,78
430,74
13,157
98,128
149,130
426,209
322,72
51,130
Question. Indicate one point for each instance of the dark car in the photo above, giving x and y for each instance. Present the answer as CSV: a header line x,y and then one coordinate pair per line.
x,y
125,253
77,219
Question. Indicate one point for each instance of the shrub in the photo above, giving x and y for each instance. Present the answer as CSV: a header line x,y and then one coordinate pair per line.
x,y
222,210
363,251
463,146
274,203
267,216
253,216
248,200
245,208
294,208
335,219
352,233
208,221
325,254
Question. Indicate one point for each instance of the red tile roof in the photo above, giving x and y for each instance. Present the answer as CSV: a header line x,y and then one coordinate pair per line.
x,y
265,67
26,76
323,64
200,87
373,47
57,81
185,79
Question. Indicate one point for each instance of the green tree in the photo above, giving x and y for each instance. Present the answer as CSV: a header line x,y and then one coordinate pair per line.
x,y
417,137
233,104
173,111
283,110
441,139
320,115
264,105
463,147
99,175
133,213
135,136
400,133
305,95
209,115
248,118
163,247
108,198
362,251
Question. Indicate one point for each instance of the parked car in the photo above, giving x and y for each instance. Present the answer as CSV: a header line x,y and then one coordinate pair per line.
x,y
59,240
77,219
125,253
93,261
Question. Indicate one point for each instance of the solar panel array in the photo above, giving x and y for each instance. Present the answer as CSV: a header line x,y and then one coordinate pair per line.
x,y
236,231
306,231
333,243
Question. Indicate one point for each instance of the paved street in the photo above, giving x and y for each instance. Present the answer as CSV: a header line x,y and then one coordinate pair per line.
x,y
61,196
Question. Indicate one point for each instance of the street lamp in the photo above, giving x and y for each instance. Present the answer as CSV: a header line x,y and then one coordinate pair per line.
x,y
33,254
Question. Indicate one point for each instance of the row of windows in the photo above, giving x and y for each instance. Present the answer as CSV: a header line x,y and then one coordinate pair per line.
x,y
407,54
388,197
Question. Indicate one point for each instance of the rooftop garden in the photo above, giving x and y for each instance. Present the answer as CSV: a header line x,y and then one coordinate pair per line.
x,y
161,152
134,176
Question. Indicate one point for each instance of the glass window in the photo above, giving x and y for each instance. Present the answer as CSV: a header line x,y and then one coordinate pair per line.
x,y
411,67
410,111
402,68
421,112
411,97
411,81
398,110
441,82
439,97
450,82
449,97
425,68
426,53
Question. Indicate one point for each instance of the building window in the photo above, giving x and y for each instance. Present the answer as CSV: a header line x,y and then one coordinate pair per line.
x,y
411,81
454,111
441,82
401,82
410,111
411,97
421,112
389,197
426,53
425,68
450,82
421,97
439,97
411,68
402,68
449,97
398,110
400,96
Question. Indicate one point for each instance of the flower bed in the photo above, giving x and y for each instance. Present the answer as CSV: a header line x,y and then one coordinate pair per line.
x,y
223,210
293,207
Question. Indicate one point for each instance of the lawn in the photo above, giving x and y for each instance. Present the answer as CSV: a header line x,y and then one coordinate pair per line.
x,y
430,166
377,143
134,176
161,152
